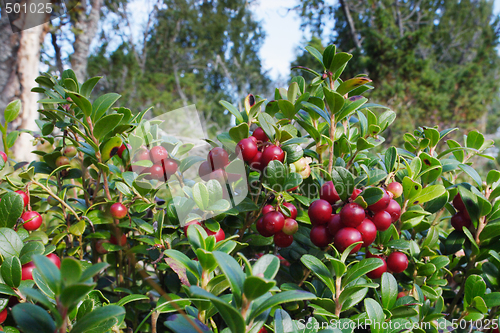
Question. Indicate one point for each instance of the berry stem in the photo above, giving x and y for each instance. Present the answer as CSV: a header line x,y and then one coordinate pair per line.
x,y
49,191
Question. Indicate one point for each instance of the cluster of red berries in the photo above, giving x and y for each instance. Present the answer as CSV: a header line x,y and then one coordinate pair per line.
x,y
461,218
32,220
274,223
163,167
257,151
27,269
219,235
353,223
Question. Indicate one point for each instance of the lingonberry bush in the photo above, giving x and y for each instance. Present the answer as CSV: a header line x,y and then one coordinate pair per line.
x,y
334,232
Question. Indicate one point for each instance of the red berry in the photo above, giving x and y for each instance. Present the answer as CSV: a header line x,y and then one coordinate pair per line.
x,y
267,209
99,246
368,231
122,148
355,193
458,203
377,272
460,220
334,224
381,204
291,208
402,294
118,210
352,215
319,212
272,153
346,237
204,171
260,135
329,193
256,162
32,220
3,315
320,236
62,160
4,156
394,209
283,240
253,138
186,226
170,166
290,227
248,148
274,222
382,220
142,154
218,158
219,235
263,330
114,240
25,197
156,172
55,259
261,228
395,188
397,262
27,271
158,153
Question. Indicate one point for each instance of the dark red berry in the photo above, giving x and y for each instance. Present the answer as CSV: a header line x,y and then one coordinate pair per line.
x,y
55,259
122,148
219,235
248,148
118,210
256,162
283,240
394,209
186,226
156,172
170,166
290,227
158,153
460,220
274,222
272,153
334,224
319,212
329,193
345,237
397,262
377,272
381,204
368,231
261,228
382,220
260,135
291,208
25,197
32,220
218,158
142,154
27,271
204,171
114,240
352,215
320,236
355,193
267,209
458,203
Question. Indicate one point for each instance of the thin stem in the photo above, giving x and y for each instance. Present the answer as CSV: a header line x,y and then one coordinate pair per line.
x,y
49,191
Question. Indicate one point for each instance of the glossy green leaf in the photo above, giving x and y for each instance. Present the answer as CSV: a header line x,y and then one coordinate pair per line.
x,y
102,104
11,272
11,208
31,318
376,315
106,124
49,272
319,270
255,286
100,320
233,272
283,297
10,243
389,290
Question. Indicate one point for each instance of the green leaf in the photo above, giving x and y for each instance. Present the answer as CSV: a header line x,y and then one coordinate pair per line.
x,y
283,322
350,106
232,317
100,320
33,319
73,294
287,108
427,194
233,272
372,195
376,315
239,132
255,286
475,140
474,286
431,168
93,270
200,195
316,54
11,138
11,272
102,104
49,272
492,299
267,123
184,261
71,271
275,174
329,54
472,173
361,268
268,265
234,111
283,297
352,84
311,107
11,208
343,181
320,270
89,85
391,156
10,243
12,111
334,100
339,61
82,102
131,298
389,290
493,177
106,124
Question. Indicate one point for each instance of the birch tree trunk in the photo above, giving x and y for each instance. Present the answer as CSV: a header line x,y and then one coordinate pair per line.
x,y
19,67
